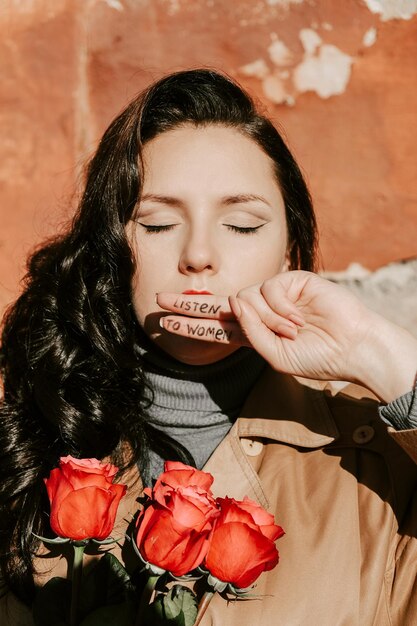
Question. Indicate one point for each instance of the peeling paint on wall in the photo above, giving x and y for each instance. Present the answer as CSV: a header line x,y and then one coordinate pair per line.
x,y
283,2
310,40
327,73
115,4
29,7
279,53
274,89
369,37
173,7
324,68
393,9
258,69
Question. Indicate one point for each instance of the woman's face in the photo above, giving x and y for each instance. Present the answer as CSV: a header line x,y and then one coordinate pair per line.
x,y
211,218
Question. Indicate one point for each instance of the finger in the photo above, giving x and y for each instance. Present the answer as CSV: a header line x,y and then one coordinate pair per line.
x,y
281,291
281,328
205,329
269,317
260,337
195,305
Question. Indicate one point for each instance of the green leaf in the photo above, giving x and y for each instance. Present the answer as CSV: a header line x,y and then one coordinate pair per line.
x,y
52,603
107,597
106,584
176,608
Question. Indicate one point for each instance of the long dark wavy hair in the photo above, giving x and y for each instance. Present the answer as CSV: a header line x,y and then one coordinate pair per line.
x,y
73,380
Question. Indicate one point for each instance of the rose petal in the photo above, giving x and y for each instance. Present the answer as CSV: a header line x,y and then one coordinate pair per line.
x,y
197,494
143,524
188,555
84,514
190,513
263,519
251,513
161,544
80,479
118,492
164,494
238,554
57,483
177,474
230,511
91,466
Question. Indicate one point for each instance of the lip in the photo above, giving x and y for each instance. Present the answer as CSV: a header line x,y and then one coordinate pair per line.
x,y
194,292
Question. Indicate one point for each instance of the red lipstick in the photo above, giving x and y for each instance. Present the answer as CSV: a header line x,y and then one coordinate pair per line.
x,y
197,293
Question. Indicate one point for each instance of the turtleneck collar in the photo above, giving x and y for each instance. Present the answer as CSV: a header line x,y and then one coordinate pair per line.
x,y
195,405
188,395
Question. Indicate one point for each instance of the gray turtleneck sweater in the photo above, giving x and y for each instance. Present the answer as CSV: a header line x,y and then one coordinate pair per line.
x,y
196,406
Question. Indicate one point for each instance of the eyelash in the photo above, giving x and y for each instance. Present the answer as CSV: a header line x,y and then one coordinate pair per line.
x,y
150,228
242,230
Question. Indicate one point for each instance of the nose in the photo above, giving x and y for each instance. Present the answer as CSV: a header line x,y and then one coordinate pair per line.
x,y
199,253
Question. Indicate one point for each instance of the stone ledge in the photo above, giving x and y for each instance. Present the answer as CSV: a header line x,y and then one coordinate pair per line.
x,y
391,290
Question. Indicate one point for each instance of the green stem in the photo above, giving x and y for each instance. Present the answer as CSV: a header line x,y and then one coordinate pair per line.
x,y
202,607
77,571
144,601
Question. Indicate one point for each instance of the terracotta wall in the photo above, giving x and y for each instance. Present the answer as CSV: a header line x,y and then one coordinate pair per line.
x,y
340,77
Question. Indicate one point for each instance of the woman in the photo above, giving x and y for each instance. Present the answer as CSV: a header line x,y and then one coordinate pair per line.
x,y
168,324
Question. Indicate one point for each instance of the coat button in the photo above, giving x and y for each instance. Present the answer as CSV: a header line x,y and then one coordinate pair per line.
x,y
363,434
252,447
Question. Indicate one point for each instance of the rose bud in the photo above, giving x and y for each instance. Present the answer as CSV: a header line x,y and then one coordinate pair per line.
x,y
242,544
174,528
83,498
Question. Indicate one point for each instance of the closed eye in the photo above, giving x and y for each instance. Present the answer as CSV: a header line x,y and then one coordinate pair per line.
x,y
244,230
154,228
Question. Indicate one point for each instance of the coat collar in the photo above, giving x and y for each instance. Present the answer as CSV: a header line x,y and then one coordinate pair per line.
x,y
278,408
283,409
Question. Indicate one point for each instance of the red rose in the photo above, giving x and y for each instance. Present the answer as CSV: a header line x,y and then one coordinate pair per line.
x,y
83,498
242,544
174,528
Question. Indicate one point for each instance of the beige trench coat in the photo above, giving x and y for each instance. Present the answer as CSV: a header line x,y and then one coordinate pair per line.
x,y
343,489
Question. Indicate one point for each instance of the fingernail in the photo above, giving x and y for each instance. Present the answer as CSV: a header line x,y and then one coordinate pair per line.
x,y
161,322
234,305
297,319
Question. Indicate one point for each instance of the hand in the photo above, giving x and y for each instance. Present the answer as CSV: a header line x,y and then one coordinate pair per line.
x,y
304,325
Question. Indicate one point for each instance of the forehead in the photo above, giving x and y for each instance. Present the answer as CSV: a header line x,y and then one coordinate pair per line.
x,y
197,154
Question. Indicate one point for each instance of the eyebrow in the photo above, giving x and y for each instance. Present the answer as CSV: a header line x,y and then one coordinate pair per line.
x,y
243,198
227,200
161,199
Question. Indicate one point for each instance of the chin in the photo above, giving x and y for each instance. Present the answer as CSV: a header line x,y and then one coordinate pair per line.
x,y
191,352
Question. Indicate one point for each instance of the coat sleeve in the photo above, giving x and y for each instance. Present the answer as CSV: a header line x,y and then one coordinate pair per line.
x,y
400,415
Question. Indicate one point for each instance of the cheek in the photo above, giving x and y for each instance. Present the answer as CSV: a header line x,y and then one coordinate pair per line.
x,y
151,276
274,256
146,281
137,300
255,261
